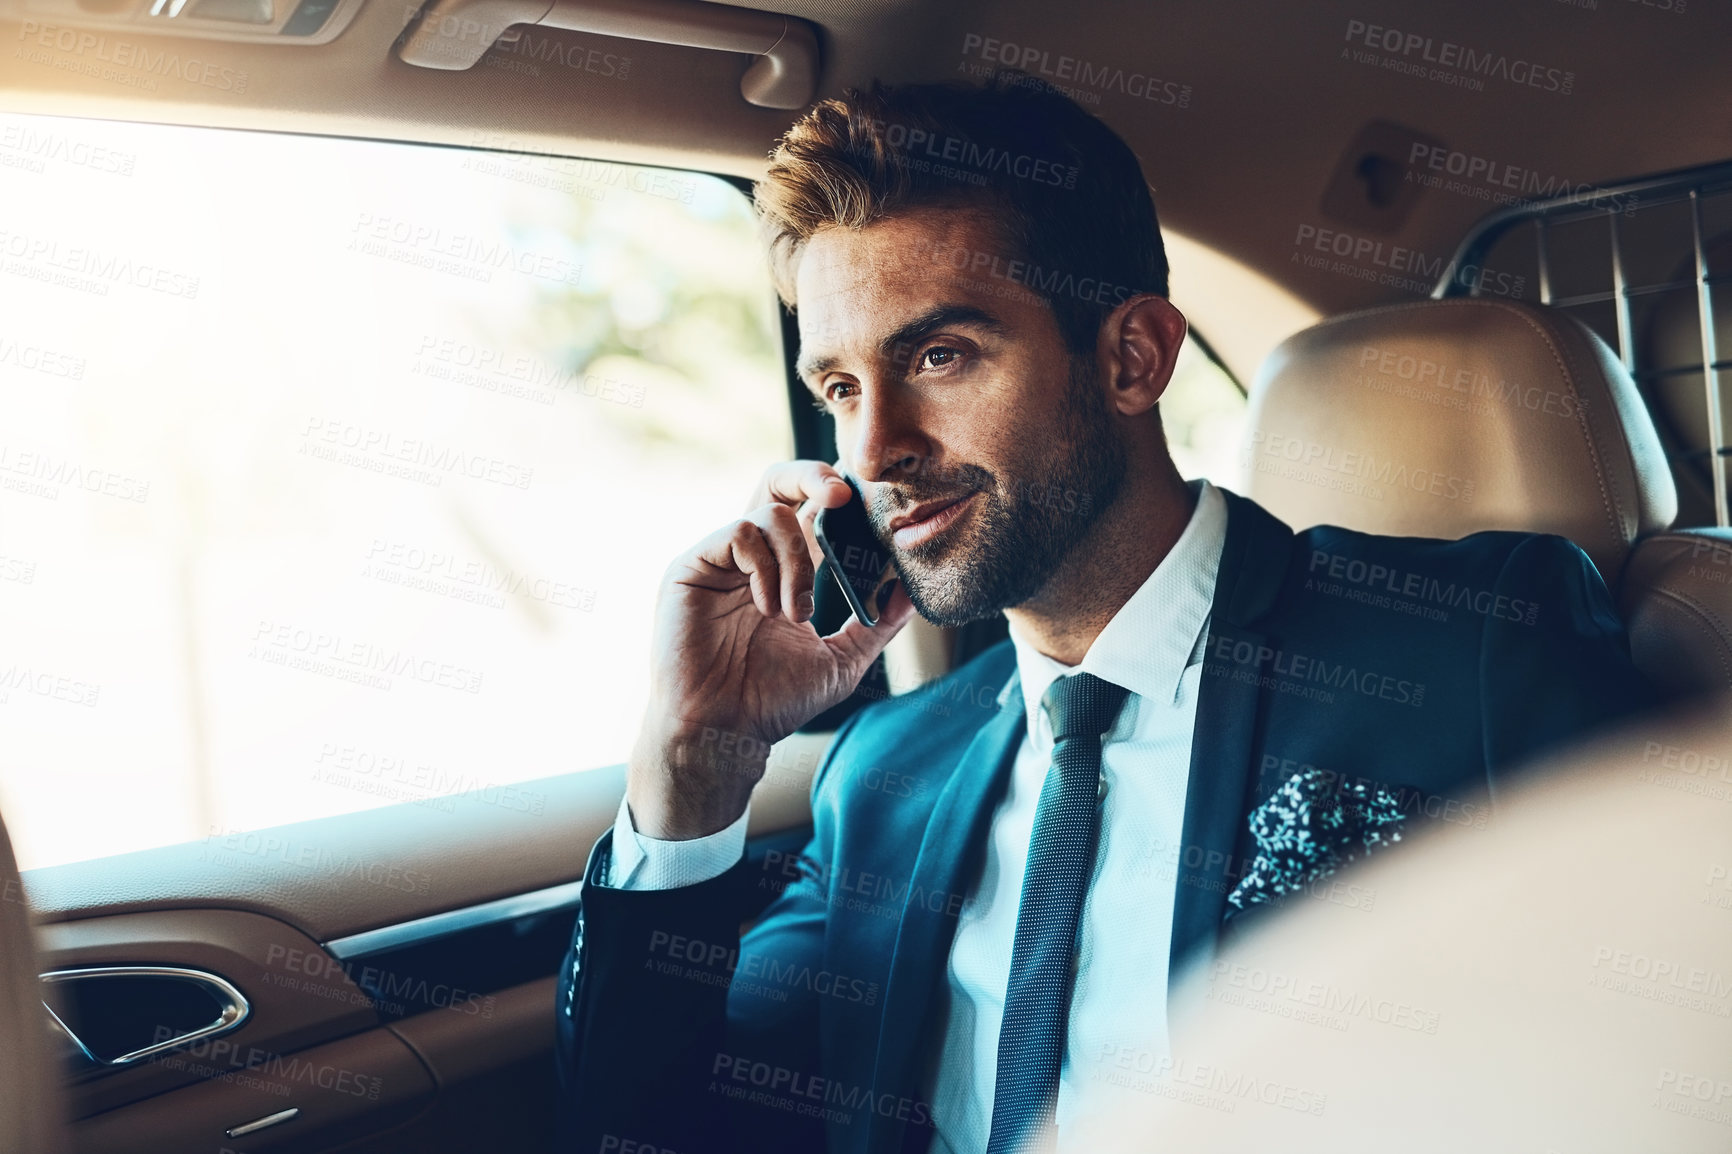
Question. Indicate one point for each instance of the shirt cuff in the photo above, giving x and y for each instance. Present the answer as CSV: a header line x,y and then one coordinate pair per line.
x,y
646,863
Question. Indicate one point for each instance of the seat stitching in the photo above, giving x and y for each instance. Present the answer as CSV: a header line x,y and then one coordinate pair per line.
x,y
1722,629
1609,500
1609,503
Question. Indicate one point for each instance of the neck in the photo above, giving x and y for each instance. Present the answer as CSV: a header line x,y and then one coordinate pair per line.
x,y
1130,538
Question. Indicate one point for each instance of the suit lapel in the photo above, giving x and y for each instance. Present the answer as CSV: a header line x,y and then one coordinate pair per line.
x,y
1253,564
952,846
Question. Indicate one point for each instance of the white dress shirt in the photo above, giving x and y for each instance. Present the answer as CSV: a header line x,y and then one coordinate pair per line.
x,y
646,863
1153,647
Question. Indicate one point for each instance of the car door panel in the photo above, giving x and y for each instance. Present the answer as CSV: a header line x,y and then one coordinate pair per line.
x,y
398,967
253,952
363,1084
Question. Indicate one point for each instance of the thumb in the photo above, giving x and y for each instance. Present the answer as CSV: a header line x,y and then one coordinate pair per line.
x,y
856,645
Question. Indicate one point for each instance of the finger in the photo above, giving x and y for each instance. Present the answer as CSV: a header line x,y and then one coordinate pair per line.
x,y
741,549
796,482
781,528
856,645
808,517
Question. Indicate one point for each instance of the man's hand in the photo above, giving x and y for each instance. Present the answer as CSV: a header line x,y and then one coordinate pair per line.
x,y
737,665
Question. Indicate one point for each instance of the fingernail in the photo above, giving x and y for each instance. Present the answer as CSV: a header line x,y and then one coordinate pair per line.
x,y
804,605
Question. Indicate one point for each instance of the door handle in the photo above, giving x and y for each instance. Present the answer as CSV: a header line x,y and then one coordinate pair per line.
x,y
111,1033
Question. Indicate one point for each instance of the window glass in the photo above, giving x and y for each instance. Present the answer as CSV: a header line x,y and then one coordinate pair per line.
x,y
337,474
1203,413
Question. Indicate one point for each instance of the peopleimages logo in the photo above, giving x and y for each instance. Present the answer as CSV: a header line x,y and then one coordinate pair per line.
x,y
516,158
1474,387
959,158
1287,995
352,660
36,359
89,269
1412,52
410,566
1268,448
1303,671
1502,183
91,50
1689,986
1044,283
462,33
39,147
417,459
785,1087
1147,1072
1395,265
1420,587
1081,80
50,685
224,846
467,254
38,474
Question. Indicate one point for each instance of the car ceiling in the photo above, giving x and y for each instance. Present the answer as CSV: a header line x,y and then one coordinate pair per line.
x,y
1273,105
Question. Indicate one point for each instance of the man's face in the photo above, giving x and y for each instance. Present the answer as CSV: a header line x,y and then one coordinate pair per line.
x,y
985,450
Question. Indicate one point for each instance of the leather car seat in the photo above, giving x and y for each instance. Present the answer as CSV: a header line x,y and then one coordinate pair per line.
x,y
32,1118
1677,605
1554,980
1447,417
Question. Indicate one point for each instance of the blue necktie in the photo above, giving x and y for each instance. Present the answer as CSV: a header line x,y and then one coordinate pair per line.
x,y
1061,857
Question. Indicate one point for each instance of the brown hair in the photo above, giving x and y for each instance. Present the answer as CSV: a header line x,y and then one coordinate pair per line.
x,y
1066,192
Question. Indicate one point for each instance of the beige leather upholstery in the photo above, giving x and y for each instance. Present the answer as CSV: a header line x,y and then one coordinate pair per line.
x,y
1677,603
1444,418
1556,979
31,1116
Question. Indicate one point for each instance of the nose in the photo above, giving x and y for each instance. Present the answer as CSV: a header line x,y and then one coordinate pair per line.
x,y
888,442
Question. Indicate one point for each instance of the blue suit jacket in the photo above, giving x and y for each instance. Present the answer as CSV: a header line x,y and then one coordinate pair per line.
x,y
1429,667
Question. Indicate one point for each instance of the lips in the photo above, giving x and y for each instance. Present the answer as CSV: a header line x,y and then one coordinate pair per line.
x,y
924,522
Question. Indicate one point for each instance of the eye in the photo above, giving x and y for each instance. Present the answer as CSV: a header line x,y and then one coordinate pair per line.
x,y
835,391
937,357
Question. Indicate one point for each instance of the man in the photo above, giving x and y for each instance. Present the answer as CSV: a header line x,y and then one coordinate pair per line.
x,y
1007,864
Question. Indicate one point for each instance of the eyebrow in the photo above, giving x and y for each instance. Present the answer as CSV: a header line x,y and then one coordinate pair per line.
x,y
911,332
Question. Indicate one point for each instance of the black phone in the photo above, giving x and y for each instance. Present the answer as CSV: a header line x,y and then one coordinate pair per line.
x,y
852,553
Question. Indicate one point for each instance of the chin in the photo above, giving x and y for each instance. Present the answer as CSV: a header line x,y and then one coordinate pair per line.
x,y
952,596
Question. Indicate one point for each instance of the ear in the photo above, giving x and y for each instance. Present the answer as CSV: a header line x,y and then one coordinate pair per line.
x,y
1139,345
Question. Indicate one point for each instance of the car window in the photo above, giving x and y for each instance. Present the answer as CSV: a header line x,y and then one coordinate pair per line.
x,y
337,473
1203,412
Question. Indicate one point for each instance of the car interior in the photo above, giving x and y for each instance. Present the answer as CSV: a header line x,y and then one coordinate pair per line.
x,y
1546,1030
321,684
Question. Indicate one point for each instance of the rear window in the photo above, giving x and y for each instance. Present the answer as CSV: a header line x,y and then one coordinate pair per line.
x,y
337,474
1643,263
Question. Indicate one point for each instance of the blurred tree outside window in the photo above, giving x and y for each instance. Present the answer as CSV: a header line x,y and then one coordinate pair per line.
x,y
337,474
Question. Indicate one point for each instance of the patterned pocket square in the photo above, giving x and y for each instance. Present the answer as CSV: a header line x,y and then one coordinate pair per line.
x,y
1311,827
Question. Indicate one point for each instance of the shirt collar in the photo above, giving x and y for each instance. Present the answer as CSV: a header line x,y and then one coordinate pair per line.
x,y
1156,635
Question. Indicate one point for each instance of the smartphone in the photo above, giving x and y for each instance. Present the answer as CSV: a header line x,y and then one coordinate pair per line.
x,y
853,553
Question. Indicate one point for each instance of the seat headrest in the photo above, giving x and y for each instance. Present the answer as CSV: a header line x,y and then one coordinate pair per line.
x,y
1445,418
1677,606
